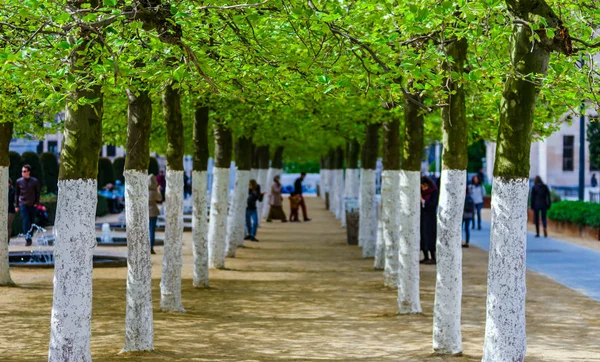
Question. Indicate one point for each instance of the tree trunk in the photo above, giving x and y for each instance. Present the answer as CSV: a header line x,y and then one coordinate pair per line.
x,y
139,328
70,325
199,190
409,212
447,337
339,188
275,169
217,226
368,212
390,199
170,285
351,192
254,169
6,130
237,210
329,192
263,174
505,337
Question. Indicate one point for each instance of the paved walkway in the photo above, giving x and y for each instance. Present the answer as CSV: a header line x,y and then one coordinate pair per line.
x,y
573,266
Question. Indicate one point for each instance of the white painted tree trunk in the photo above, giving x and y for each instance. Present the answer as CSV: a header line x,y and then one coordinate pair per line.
x,y
380,244
4,237
74,230
266,207
447,338
200,228
254,174
409,242
332,190
262,181
139,328
351,189
341,209
235,219
390,210
323,182
170,284
217,226
505,337
367,232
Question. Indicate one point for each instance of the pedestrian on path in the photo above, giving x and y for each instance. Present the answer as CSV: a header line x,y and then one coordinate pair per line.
x,y
298,194
540,203
429,203
254,195
468,212
11,207
275,202
27,197
154,198
594,180
477,192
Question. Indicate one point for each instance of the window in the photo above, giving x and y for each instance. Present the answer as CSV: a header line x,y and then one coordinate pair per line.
x,y
53,147
111,151
568,153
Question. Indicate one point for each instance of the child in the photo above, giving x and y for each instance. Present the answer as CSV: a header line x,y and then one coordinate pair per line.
x,y
468,214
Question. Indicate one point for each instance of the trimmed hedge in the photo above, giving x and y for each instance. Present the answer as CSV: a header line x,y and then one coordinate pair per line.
x,y
105,172
33,160
118,168
15,166
50,168
153,167
102,206
577,212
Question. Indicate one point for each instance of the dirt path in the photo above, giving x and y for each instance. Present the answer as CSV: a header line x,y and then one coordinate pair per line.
x,y
299,294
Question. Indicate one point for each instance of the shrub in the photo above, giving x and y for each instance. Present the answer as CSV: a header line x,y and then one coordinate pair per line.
x,y
576,212
153,167
118,167
50,169
15,166
102,206
33,160
488,189
105,172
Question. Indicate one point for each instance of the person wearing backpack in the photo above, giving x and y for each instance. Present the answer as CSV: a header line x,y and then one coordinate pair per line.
x,y
468,213
540,203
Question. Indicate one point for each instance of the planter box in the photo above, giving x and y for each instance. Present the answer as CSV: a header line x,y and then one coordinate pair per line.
x,y
487,202
570,229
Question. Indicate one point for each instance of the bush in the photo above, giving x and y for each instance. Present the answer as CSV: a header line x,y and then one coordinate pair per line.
x,y
576,212
33,160
102,206
105,172
488,189
153,167
118,168
50,169
15,166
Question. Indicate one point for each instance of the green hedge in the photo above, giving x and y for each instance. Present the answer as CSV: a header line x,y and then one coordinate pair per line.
x,y
102,206
153,167
118,167
50,169
106,174
15,166
577,212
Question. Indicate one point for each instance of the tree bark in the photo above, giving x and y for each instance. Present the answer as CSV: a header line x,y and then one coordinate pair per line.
x,y
352,191
139,328
275,169
170,285
339,205
409,213
330,192
217,226
235,219
368,212
447,338
6,130
505,336
70,325
199,190
390,199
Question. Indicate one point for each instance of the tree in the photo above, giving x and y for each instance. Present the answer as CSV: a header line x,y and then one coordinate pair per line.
x,y
6,130
368,219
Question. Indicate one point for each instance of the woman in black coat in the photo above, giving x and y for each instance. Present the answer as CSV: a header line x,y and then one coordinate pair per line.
x,y
540,203
429,203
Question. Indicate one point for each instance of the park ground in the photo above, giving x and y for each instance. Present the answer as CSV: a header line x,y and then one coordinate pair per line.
x,y
300,294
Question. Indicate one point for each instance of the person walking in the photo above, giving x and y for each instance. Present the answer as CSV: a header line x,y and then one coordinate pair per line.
x,y
154,198
540,203
468,213
27,197
162,182
254,195
11,207
275,202
429,203
298,194
594,180
477,192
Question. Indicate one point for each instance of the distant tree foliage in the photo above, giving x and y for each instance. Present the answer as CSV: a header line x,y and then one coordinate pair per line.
x,y
118,167
50,169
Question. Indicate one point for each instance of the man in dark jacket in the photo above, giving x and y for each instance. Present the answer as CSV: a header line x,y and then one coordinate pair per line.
x,y
298,194
27,197
540,203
